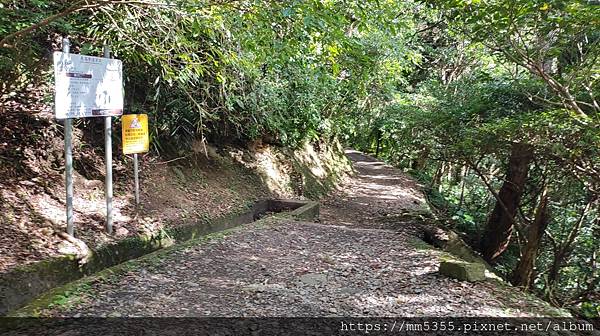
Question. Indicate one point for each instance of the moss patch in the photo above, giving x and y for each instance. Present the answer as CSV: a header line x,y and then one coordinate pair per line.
x,y
68,295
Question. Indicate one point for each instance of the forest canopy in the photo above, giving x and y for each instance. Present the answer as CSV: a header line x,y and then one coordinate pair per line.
x,y
493,105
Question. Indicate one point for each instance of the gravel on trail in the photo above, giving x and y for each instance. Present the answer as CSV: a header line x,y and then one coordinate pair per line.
x,y
359,260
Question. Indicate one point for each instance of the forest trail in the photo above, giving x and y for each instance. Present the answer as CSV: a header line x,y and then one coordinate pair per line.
x,y
360,260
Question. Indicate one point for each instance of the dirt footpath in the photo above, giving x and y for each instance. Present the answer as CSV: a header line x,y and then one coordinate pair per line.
x,y
360,260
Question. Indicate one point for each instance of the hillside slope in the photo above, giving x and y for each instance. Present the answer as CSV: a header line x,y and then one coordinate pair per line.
x,y
207,182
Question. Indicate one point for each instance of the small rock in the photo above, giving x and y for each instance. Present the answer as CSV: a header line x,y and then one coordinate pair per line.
x,y
67,248
121,231
348,290
313,279
462,270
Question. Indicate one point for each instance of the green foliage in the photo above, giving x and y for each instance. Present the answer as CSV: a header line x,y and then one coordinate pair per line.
x,y
442,88
455,127
231,72
557,41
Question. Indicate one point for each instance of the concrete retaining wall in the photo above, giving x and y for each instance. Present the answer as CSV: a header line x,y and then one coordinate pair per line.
x,y
21,285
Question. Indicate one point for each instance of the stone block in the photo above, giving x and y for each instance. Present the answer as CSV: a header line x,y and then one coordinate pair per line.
x,y
462,270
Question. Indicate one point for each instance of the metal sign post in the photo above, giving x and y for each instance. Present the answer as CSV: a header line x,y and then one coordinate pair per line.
x,y
108,188
136,178
87,86
66,46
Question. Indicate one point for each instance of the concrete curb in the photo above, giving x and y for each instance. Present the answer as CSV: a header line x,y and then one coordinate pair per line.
x,y
21,285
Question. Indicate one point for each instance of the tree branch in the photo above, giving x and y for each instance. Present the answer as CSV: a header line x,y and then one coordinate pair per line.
x,y
75,7
78,5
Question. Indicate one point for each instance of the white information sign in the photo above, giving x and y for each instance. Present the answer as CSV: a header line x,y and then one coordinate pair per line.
x,y
87,86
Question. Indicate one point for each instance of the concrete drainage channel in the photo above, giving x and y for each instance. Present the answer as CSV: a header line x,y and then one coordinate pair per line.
x,y
22,285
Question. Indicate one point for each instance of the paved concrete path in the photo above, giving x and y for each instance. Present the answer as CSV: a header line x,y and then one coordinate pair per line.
x,y
361,259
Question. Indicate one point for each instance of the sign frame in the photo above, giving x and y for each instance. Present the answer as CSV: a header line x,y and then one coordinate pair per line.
x,y
134,133
87,86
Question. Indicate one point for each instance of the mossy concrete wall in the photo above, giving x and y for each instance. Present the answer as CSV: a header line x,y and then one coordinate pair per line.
x,y
310,171
24,284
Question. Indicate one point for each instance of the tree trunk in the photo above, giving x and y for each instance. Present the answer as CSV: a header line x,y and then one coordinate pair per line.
x,y
523,274
378,142
553,274
437,176
500,223
456,174
465,171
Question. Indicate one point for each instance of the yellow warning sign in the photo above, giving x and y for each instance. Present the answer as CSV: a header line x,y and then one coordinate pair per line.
x,y
135,133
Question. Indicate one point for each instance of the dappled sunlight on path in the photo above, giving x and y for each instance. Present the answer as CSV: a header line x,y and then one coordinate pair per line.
x,y
376,191
361,260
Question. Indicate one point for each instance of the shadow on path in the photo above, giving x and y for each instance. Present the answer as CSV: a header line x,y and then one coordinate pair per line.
x,y
376,191
354,263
